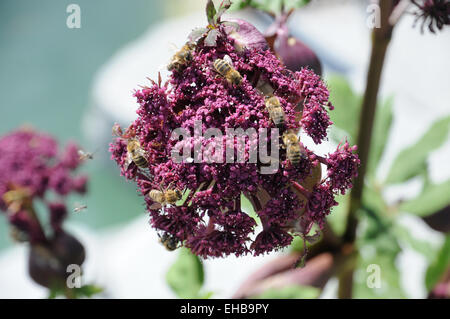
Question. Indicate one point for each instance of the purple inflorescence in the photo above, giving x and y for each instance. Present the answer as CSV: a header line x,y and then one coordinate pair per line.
x,y
342,167
432,13
30,168
209,219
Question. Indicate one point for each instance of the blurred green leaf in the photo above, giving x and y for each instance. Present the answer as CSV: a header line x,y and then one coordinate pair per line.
x,y
273,6
373,200
389,275
439,265
338,216
186,276
223,7
411,161
290,292
423,247
247,208
211,12
86,291
294,4
378,245
433,198
380,134
206,295
347,108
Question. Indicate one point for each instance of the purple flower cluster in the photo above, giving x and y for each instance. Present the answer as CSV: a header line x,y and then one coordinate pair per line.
x,y
209,218
31,167
434,13
342,167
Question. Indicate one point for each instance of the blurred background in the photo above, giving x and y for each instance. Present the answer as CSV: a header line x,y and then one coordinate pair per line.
x,y
75,83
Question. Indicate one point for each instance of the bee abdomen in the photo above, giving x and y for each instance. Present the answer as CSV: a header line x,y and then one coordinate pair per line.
x,y
141,162
156,196
294,153
277,117
221,66
172,196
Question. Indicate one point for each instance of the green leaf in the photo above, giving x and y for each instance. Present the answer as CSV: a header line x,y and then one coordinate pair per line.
x,y
272,6
411,161
247,208
373,200
206,295
294,4
211,12
389,276
338,216
88,291
423,247
347,108
380,133
224,6
185,277
290,292
440,265
377,246
433,198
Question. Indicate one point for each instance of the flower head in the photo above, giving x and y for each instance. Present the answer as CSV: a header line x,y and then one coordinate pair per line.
x,y
342,167
435,13
210,218
30,167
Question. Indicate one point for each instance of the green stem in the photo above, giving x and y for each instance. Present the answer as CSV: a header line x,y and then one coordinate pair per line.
x,y
380,41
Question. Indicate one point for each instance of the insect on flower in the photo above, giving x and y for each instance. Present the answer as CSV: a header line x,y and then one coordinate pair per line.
x,y
293,149
135,153
169,242
16,198
275,110
182,57
225,68
165,196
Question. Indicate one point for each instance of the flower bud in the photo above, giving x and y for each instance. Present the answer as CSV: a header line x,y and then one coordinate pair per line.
x,y
296,55
246,36
47,262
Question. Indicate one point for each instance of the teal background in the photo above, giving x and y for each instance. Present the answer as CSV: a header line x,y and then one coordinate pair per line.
x,y
46,72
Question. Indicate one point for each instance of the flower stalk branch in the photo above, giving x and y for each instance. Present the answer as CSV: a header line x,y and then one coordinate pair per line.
x,y
381,38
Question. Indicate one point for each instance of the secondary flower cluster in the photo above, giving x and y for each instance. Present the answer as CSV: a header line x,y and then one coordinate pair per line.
x,y
433,13
209,219
31,167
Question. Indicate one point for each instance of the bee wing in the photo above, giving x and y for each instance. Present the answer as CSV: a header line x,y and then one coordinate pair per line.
x,y
155,206
227,59
128,161
173,48
142,152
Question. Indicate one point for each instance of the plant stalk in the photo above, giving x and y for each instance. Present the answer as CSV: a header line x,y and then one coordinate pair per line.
x,y
380,41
